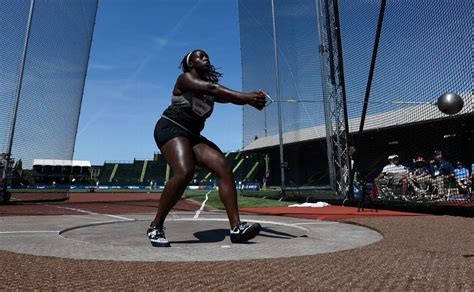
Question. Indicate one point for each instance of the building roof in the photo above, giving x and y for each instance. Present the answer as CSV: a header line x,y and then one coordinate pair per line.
x,y
400,117
56,162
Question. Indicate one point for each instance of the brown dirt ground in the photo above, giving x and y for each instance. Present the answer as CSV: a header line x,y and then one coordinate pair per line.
x,y
417,253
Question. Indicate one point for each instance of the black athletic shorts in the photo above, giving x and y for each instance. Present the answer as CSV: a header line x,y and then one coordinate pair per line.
x,y
165,130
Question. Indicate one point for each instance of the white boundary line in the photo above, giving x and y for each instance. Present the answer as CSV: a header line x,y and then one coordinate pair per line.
x,y
192,219
28,231
91,213
316,223
198,212
248,220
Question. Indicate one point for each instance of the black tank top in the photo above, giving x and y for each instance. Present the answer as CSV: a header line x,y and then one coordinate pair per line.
x,y
190,110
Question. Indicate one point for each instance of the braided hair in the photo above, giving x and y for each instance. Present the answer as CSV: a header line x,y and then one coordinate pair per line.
x,y
211,75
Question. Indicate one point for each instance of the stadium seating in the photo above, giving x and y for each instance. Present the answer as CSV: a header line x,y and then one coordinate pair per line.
x,y
155,171
106,173
125,174
246,167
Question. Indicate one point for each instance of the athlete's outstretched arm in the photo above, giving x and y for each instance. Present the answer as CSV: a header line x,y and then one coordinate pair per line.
x,y
189,82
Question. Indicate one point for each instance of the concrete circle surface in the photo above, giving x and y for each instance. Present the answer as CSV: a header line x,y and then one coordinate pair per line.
x,y
203,239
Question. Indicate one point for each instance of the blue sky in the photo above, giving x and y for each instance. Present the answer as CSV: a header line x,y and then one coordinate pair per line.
x,y
136,50
137,47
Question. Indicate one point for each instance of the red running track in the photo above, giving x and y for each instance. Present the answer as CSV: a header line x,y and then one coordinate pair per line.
x,y
329,213
126,203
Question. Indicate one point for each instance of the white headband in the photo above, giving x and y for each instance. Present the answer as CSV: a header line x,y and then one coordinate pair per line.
x,y
187,58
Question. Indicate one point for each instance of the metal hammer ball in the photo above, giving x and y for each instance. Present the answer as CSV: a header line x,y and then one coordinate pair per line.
x,y
450,103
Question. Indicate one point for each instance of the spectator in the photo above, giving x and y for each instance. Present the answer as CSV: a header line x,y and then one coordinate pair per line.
x,y
420,176
264,182
420,167
441,172
393,176
462,178
472,174
460,172
351,152
394,166
353,174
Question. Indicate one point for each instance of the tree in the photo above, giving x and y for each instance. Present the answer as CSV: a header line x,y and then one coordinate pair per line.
x,y
18,166
27,177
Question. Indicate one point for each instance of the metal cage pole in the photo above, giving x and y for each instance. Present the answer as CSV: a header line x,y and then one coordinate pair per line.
x,y
280,123
16,104
373,61
344,135
337,128
326,96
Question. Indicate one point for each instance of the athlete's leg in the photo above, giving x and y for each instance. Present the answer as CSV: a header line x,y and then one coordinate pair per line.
x,y
179,155
209,155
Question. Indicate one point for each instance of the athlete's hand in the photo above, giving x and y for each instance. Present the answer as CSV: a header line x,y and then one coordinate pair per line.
x,y
257,99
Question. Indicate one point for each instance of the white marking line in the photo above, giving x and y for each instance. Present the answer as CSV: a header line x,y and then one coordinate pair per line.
x,y
174,215
198,212
28,231
248,220
88,217
92,213
119,217
316,223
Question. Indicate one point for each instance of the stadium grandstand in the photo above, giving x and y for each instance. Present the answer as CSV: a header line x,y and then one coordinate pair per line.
x,y
51,171
95,172
154,173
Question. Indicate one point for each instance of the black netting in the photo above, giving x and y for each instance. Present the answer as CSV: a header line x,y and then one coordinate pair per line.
x,y
257,72
11,49
55,63
424,51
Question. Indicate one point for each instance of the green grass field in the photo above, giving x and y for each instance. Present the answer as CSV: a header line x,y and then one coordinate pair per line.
x,y
244,202
291,194
246,199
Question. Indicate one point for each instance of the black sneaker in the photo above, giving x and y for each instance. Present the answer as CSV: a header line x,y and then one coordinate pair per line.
x,y
243,232
157,237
